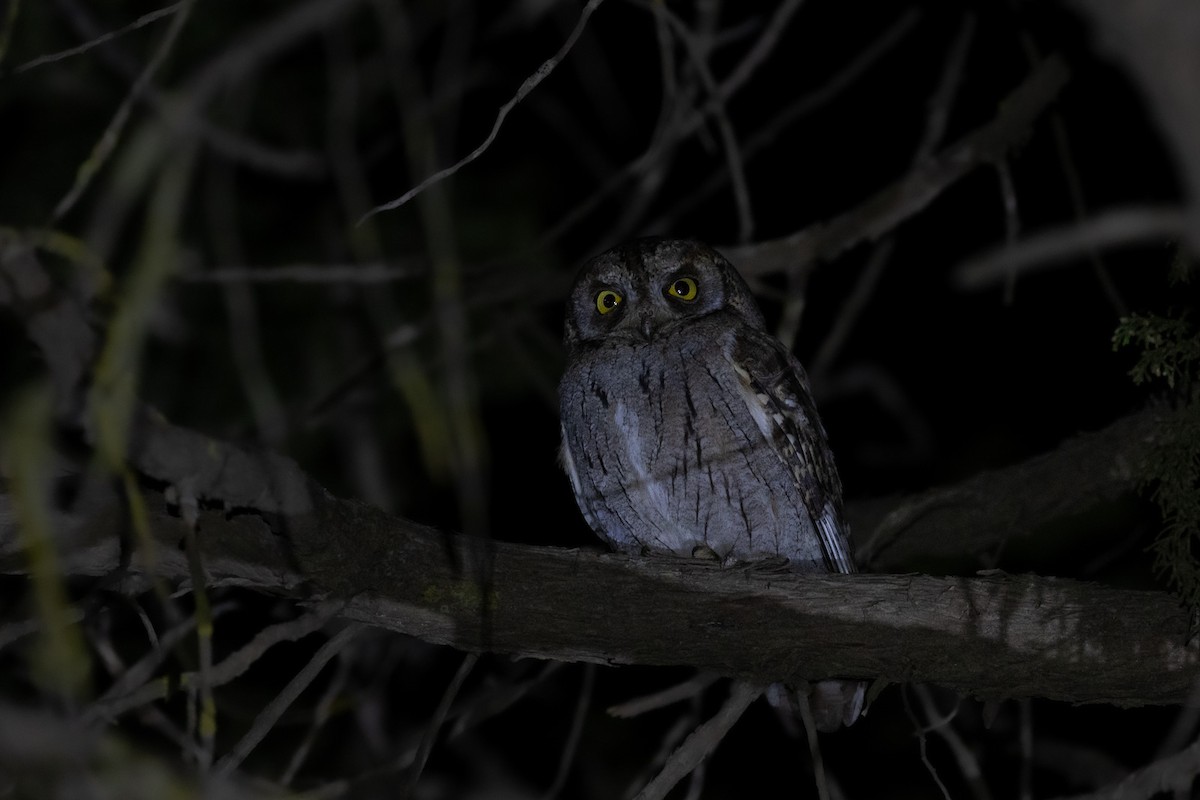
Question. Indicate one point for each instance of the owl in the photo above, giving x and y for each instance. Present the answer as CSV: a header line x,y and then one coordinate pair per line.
x,y
687,428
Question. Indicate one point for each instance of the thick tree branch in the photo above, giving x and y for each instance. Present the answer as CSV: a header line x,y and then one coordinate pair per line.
x,y
997,636
951,525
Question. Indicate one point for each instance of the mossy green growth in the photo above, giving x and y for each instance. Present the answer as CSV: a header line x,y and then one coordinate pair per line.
x,y
463,595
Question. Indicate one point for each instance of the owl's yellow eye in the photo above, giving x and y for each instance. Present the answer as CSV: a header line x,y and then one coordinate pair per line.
x,y
683,289
607,300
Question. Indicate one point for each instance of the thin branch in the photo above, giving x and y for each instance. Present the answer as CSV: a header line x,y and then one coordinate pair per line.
x,y
121,697
137,24
572,743
270,715
1012,221
669,696
294,164
528,86
769,134
1054,247
112,134
941,724
1175,774
318,274
814,747
758,54
922,743
321,715
1066,159
702,742
906,197
436,721
851,311
1026,777
938,116
729,143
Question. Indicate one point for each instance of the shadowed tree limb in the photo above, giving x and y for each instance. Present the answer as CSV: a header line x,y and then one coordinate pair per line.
x,y
995,636
952,525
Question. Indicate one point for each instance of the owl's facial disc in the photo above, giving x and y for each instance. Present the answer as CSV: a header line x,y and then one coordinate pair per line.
x,y
648,288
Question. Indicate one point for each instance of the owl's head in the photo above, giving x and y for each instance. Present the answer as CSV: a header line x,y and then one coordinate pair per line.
x,y
647,287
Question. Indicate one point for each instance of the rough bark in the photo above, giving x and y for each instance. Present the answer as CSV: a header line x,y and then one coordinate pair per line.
x,y
993,636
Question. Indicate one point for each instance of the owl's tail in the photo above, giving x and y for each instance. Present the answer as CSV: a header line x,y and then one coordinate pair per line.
x,y
834,703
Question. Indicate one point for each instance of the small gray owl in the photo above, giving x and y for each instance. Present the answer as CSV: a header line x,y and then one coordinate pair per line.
x,y
687,428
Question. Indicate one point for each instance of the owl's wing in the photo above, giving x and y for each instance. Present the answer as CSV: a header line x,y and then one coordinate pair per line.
x,y
775,389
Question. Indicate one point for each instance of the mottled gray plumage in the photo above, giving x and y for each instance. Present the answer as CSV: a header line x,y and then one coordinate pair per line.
x,y
686,427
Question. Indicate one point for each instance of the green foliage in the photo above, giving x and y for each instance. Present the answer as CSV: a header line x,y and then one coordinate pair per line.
x,y
1170,348
1170,352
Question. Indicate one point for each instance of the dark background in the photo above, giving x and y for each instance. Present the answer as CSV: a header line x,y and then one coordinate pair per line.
x,y
933,384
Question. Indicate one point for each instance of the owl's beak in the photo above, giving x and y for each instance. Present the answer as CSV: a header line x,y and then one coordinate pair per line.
x,y
646,326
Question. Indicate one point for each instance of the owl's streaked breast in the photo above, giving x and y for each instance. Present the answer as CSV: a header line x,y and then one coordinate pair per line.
x,y
664,453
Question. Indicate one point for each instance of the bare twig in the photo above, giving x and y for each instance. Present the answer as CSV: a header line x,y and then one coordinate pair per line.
x,y
922,741
851,311
321,715
941,724
317,274
528,86
1026,777
207,721
1066,158
436,721
733,157
758,54
1054,247
1012,221
802,106
496,700
1175,774
915,191
112,134
702,742
61,55
669,696
938,115
1184,728
572,742
121,697
814,748
270,715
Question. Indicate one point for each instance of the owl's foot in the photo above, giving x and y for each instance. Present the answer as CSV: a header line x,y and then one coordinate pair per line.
x,y
836,703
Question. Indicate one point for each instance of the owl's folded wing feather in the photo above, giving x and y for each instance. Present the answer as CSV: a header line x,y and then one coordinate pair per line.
x,y
775,389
